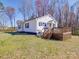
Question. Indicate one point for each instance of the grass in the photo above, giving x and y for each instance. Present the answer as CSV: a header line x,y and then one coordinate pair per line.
x,y
31,47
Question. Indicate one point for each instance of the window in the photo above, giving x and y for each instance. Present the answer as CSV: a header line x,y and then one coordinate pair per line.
x,y
19,26
42,24
27,25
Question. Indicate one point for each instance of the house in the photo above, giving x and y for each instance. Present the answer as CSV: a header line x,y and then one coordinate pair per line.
x,y
36,25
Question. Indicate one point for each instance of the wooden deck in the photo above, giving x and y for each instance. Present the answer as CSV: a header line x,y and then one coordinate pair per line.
x,y
57,33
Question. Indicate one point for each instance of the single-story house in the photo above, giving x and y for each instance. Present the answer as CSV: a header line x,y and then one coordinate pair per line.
x,y
36,25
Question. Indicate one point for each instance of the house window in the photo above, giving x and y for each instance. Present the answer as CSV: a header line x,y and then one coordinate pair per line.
x,y
42,24
19,26
27,25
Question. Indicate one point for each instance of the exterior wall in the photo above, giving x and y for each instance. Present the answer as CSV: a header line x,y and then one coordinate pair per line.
x,y
54,24
44,19
32,26
21,29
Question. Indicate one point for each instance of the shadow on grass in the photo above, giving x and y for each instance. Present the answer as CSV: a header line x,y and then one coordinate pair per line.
x,y
20,33
24,33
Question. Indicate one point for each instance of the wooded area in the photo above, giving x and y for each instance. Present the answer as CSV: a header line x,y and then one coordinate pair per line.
x,y
66,15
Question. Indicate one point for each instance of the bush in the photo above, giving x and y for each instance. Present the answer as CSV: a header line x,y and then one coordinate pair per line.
x,y
76,31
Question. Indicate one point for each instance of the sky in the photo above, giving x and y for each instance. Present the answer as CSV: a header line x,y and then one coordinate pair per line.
x,y
15,4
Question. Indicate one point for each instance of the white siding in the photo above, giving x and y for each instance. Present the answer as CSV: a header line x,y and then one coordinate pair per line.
x,y
32,26
45,19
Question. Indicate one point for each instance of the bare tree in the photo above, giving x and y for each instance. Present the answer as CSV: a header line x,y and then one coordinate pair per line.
x,y
2,15
45,6
77,17
10,11
38,4
52,6
60,17
41,7
65,14
26,8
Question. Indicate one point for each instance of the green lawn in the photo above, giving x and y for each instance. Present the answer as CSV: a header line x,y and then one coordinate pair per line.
x,y
32,47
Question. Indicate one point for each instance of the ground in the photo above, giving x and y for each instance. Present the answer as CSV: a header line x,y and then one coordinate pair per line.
x,y
20,46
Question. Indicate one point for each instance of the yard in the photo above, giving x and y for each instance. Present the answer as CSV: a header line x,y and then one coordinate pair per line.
x,y
21,46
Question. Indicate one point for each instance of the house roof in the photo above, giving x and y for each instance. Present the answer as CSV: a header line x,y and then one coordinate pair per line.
x,y
51,21
37,18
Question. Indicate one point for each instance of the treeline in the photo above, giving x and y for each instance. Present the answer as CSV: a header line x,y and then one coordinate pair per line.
x,y
7,16
60,9
66,15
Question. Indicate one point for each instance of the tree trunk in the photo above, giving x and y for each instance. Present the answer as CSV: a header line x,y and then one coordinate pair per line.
x,y
14,23
11,23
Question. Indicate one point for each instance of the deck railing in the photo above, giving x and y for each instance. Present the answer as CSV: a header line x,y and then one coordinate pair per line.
x,y
61,30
